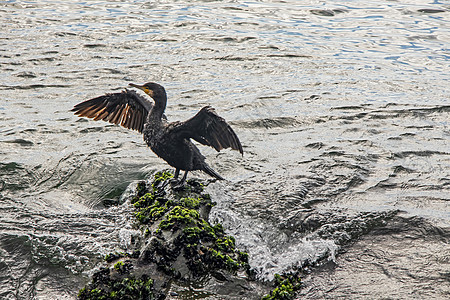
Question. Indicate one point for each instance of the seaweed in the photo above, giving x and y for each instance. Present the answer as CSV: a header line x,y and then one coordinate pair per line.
x,y
118,289
285,287
177,242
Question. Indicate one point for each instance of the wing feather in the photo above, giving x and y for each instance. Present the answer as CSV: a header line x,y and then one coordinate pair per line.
x,y
111,114
118,115
102,114
127,109
126,117
139,120
209,129
135,119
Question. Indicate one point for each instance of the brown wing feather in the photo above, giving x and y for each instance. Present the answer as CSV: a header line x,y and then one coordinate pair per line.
x,y
127,109
209,129
125,120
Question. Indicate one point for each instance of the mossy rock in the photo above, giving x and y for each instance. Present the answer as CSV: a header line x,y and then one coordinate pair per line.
x,y
285,287
178,244
205,247
104,287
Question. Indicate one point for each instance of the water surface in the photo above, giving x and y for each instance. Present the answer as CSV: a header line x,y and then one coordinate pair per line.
x,y
342,108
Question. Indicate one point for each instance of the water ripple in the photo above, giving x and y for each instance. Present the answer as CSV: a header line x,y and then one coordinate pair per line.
x,y
342,109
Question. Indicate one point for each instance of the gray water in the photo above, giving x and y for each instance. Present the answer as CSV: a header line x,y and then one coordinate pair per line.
x,y
342,108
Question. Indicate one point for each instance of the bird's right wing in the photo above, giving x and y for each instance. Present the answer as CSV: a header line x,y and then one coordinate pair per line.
x,y
127,108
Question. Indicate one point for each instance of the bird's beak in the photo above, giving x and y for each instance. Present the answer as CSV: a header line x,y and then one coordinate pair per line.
x,y
136,86
143,88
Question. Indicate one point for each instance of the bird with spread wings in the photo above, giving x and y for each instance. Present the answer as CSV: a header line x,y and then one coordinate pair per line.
x,y
170,141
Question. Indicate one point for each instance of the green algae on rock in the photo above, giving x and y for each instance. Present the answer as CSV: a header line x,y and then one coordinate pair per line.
x,y
285,287
104,287
181,218
178,247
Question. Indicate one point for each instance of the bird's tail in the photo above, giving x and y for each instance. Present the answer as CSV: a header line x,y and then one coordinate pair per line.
x,y
208,170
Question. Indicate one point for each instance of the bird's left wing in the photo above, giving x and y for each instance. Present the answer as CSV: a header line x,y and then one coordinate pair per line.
x,y
127,109
209,129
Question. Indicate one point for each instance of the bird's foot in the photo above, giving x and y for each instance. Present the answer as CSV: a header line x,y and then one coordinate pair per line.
x,y
162,185
177,184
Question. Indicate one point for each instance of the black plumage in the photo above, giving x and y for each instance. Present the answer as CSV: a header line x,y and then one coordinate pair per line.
x,y
170,141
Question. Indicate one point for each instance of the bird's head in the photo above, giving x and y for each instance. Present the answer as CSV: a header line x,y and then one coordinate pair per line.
x,y
152,89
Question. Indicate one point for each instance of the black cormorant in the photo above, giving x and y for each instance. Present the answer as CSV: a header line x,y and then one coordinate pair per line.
x,y
170,141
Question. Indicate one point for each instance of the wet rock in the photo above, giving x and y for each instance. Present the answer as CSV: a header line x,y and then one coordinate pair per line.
x,y
285,287
179,249
179,254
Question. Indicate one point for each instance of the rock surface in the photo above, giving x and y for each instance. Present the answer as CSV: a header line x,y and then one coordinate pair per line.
x,y
181,255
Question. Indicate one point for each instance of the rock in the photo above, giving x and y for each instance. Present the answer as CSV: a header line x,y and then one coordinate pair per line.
x,y
179,249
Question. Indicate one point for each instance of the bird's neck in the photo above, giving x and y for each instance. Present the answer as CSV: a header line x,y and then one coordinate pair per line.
x,y
159,108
